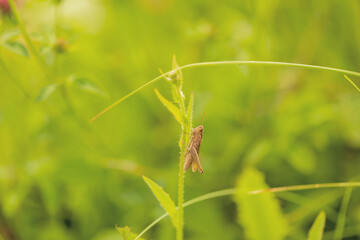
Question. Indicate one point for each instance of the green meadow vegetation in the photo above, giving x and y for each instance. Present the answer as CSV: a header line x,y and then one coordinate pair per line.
x,y
99,100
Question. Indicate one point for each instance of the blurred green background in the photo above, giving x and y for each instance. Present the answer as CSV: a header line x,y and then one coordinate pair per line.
x,y
63,178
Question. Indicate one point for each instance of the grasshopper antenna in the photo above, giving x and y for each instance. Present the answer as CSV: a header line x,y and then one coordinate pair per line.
x,y
202,118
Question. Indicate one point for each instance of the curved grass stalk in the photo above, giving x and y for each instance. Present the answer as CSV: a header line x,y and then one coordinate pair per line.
x,y
127,96
231,191
221,63
305,187
352,83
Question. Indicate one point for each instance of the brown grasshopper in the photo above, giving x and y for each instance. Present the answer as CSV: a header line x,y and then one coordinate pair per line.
x,y
192,155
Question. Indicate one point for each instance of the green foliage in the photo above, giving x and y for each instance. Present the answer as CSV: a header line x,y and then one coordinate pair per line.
x,y
189,116
260,215
126,234
63,178
46,92
171,107
10,40
341,220
165,200
86,85
317,229
189,111
16,47
175,76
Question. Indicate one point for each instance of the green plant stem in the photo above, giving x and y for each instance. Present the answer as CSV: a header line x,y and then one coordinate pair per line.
x,y
222,63
39,59
231,191
27,38
179,230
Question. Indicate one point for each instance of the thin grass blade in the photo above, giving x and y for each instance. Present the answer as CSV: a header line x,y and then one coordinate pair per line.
x,y
340,223
317,229
352,83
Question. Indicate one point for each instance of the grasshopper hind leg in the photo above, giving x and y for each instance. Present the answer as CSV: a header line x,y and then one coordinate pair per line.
x,y
193,167
196,161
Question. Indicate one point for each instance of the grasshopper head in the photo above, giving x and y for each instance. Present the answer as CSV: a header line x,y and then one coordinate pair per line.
x,y
198,130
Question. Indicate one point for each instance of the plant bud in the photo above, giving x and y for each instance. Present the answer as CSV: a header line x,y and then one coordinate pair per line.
x,y
60,46
174,77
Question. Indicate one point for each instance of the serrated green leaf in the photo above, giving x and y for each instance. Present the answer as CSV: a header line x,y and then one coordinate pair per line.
x,y
317,229
171,107
189,113
175,65
86,85
174,93
165,201
126,234
260,214
46,92
16,47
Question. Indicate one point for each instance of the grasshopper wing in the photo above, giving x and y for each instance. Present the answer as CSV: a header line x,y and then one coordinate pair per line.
x,y
196,160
